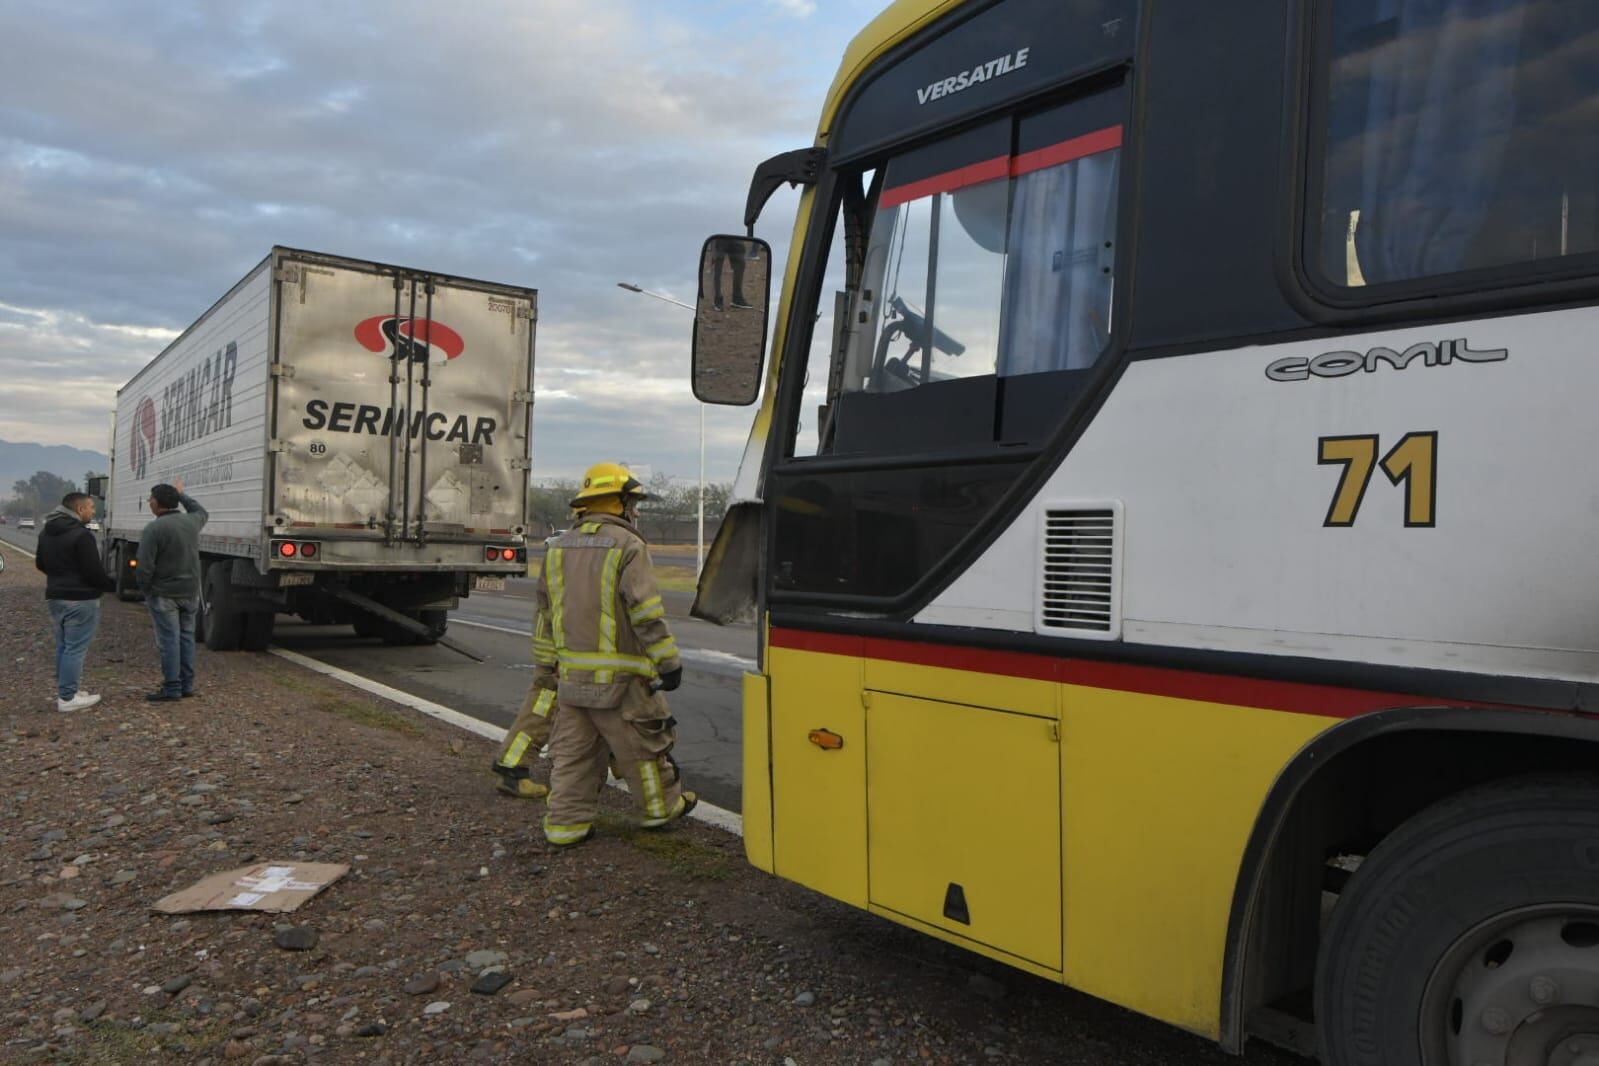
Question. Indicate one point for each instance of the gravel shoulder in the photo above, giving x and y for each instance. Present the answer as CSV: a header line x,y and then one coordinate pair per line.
x,y
635,947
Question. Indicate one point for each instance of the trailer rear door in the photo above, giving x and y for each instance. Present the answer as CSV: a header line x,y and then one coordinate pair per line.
x,y
402,402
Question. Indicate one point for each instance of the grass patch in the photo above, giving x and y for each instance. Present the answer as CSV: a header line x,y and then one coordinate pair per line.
x,y
676,578
684,855
295,684
369,715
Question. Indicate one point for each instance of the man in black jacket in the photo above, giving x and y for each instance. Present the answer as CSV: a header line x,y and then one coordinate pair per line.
x,y
74,580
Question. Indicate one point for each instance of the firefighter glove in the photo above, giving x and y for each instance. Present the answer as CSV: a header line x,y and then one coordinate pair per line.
x,y
671,679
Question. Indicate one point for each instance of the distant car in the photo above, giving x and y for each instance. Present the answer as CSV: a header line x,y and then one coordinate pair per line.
x,y
27,523
93,527
4,520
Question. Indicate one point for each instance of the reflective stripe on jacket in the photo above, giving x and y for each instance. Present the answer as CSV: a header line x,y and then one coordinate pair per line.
x,y
600,620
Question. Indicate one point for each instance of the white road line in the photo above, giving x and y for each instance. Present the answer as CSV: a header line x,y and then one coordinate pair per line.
x,y
704,655
485,730
454,621
17,547
709,813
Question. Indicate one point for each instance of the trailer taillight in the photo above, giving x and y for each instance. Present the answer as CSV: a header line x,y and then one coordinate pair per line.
x,y
287,549
508,554
308,550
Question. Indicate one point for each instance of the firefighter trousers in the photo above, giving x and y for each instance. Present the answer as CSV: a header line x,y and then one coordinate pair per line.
x,y
529,732
637,737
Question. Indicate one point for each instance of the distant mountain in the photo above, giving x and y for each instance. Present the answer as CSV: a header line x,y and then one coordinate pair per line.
x,y
20,461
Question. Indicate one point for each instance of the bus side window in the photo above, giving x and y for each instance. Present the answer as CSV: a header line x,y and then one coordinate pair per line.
x,y
830,328
1458,135
988,285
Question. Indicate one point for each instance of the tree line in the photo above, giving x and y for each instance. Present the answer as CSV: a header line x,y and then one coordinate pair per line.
x,y
666,515
33,497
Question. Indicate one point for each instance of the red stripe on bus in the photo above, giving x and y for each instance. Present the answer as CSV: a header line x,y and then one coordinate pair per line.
x,y
1292,696
1067,151
949,181
1004,167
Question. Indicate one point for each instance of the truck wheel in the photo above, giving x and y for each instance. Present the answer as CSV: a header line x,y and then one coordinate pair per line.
x,y
127,589
395,635
223,625
257,633
1470,935
437,621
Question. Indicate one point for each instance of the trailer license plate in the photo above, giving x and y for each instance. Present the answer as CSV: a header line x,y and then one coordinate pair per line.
x,y
290,580
488,583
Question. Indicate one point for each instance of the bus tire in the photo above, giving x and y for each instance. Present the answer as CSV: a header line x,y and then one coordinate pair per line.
x,y
1446,943
221,624
257,634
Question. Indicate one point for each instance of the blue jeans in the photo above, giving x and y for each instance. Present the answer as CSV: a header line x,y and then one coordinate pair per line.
x,y
174,638
74,623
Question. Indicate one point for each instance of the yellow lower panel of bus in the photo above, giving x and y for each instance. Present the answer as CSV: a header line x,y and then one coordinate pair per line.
x,y
818,794
963,815
1159,797
756,801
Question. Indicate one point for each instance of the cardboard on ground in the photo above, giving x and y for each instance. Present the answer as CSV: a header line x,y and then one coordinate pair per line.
x,y
278,887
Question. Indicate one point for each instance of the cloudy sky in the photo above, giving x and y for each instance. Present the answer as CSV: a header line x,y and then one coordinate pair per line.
x,y
152,152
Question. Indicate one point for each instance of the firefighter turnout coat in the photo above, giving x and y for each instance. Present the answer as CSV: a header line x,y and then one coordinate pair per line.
x,y
601,628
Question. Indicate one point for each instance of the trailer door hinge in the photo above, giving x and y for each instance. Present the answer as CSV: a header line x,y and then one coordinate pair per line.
x,y
522,396
281,446
520,463
282,370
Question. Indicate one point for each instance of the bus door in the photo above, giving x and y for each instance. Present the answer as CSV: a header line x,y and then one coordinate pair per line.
x,y
979,310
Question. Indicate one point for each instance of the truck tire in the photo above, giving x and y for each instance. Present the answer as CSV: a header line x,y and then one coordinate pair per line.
x,y
367,625
437,621
258,626
222,625
126,588
1470,934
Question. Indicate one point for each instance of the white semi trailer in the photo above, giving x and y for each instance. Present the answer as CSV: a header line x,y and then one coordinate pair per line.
x,y
360,435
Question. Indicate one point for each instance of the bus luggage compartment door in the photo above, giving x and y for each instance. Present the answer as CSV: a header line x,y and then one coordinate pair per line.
x,y
963,816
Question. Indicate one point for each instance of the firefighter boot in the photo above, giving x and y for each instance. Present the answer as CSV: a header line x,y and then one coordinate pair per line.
x,y
685,803
514,781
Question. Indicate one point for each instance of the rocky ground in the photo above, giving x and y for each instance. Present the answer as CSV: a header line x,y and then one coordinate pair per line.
x,y
635,947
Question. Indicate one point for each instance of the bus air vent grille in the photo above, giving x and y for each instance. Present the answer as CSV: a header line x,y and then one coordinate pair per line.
x,y
1079,593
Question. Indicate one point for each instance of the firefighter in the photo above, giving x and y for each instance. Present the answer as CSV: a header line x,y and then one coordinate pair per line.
x,y
601,632
524,740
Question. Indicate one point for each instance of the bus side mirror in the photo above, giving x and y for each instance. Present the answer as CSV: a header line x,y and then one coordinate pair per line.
x,y
730,319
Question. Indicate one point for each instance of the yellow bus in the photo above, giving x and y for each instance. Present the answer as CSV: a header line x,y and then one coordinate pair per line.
x,y
1170,510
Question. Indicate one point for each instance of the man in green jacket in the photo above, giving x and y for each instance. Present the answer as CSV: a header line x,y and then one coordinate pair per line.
x,y
169,574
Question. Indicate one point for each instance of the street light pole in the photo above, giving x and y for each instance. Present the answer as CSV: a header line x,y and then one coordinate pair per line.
x,y
699,564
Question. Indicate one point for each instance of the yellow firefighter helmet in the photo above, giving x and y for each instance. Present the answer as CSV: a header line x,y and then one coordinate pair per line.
x,y
608,479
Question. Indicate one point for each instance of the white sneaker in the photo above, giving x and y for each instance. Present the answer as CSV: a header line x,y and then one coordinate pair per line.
x,y
78,702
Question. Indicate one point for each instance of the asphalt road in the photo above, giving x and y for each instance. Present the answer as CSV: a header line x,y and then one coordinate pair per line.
x,y
498,627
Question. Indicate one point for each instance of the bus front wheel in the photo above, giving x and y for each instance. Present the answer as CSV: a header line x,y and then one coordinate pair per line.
x,y
1470,935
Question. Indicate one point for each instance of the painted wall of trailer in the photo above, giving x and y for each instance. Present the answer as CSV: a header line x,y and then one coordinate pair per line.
x,y
1353,497
199,412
